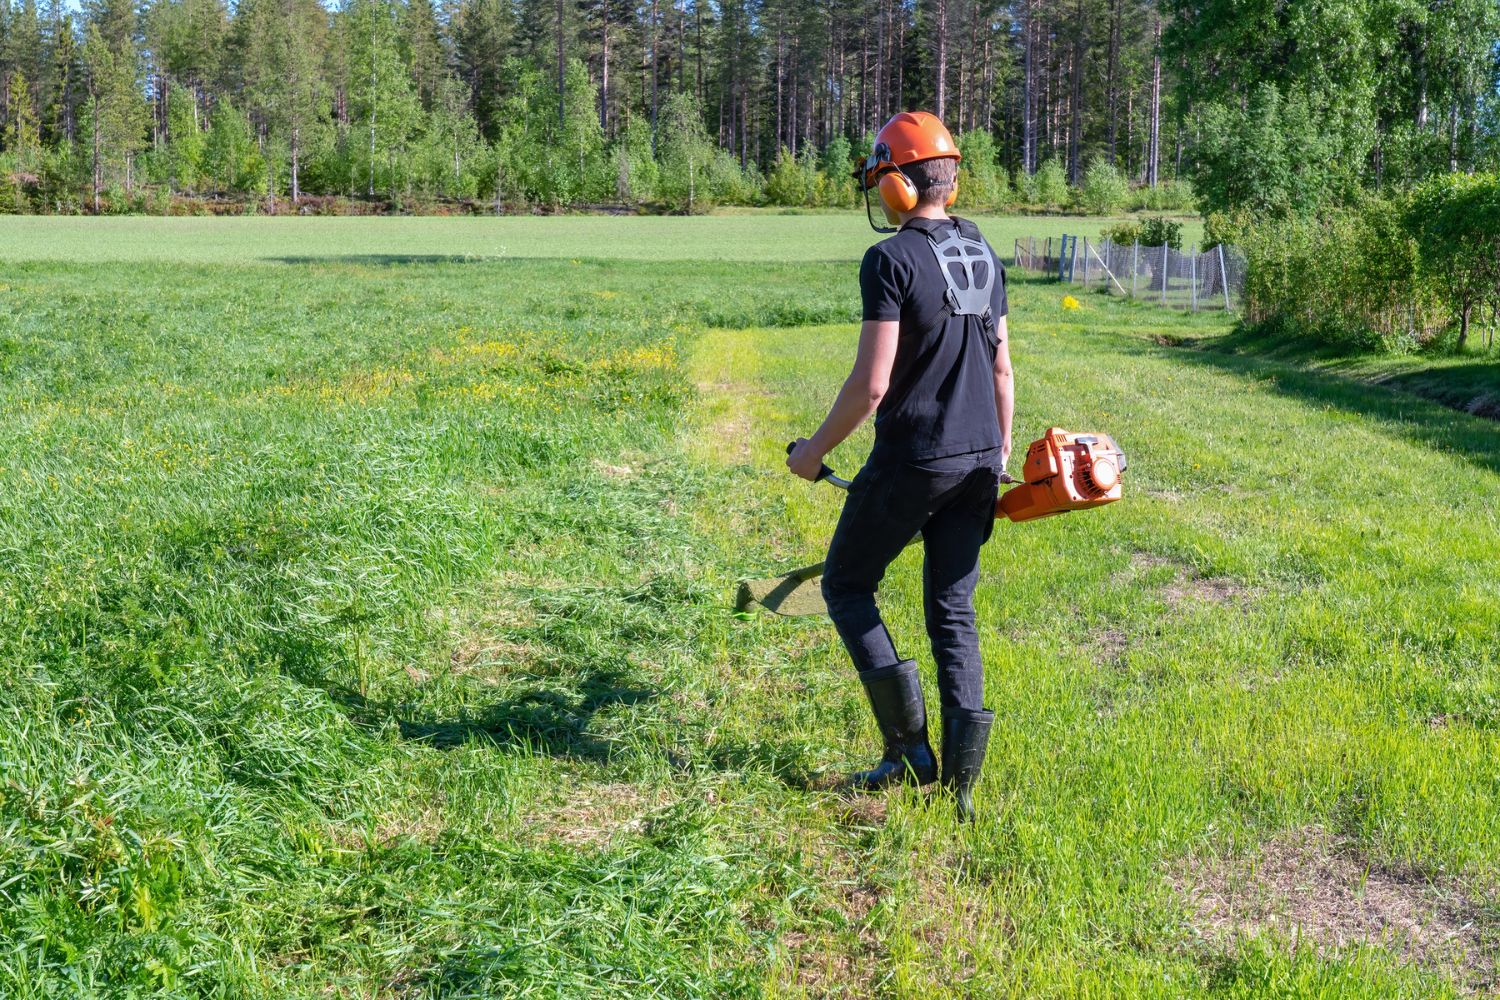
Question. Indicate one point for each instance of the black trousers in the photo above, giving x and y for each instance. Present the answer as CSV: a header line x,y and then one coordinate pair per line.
x,y
951,503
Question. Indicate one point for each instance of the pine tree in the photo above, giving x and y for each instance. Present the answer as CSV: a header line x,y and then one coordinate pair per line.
x,y
383,102
284,85
22,137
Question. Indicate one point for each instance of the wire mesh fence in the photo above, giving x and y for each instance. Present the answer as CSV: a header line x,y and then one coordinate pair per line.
x,y
1195,280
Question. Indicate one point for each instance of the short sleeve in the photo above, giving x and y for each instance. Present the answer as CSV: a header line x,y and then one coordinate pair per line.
x,y
881,286
999,305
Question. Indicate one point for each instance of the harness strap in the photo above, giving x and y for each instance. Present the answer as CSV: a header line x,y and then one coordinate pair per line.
x,y
968,267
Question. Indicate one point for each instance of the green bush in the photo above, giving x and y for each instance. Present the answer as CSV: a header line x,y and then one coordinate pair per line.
x,y
981,182
1168,196
794,181
1455,222
1122,233
1052,190
838,166
1105,189
1351,279
1158,231
1025,187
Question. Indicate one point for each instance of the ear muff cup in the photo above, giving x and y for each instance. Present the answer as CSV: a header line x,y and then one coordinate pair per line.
x,y
952,195
897,192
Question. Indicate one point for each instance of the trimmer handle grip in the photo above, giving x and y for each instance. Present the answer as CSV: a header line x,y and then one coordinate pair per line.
x,y
824,473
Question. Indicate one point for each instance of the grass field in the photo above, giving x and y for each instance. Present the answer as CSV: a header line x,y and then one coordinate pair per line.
x,y
760,236
365,607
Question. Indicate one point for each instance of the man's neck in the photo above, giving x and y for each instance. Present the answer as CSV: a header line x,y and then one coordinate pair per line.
x,y
924,212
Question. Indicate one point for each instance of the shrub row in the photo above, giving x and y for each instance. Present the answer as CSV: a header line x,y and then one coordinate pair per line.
x,y
1384,274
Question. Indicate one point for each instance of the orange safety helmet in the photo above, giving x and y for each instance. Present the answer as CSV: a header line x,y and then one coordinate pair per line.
x,y
908,137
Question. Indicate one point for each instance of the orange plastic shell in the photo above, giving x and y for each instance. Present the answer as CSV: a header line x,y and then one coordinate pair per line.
x,y
1064,471
916,135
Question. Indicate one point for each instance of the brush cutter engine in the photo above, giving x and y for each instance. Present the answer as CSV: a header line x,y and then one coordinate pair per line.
x,y
1064,471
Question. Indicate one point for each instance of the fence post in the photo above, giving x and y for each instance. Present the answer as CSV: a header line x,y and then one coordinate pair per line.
x,y
1085,262
1193,263
1165,277
1223,276
1135,257
1073,261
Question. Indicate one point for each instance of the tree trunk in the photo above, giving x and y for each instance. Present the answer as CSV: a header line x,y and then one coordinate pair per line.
x,y
942,57
1153,156
296,158
373,107
653,76
604,74
1112,76
1075,114
1028,90
780,77
562,97
98,167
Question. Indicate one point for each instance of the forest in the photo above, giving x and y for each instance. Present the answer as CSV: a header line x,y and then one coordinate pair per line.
x,y
672,105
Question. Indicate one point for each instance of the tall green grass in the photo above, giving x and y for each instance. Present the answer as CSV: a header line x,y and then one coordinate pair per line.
x,y
367,630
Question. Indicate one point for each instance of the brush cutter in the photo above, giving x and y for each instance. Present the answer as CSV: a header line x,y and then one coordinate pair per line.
x,y
1063,471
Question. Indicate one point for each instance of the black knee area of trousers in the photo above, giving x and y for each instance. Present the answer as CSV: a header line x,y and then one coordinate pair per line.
x,y
966,737
895,694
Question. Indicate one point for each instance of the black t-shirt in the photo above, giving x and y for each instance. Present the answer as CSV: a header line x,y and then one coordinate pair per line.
x,y
941,400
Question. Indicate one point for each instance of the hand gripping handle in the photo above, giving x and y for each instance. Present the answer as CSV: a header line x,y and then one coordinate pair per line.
x,y
824,473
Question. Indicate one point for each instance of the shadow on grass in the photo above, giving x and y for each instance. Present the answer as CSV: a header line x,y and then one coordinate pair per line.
x,y
393,259
1407,414
544,721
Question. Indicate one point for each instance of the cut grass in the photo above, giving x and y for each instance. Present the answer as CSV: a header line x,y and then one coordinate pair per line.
x,y
369,635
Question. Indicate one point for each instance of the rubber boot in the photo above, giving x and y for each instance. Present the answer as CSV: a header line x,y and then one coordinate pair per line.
x,y
966,735
896,698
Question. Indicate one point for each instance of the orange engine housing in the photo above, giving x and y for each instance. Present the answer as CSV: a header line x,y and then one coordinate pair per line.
x,y
1063,472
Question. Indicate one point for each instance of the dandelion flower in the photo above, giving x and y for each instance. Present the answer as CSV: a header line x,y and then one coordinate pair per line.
x,y
1069,302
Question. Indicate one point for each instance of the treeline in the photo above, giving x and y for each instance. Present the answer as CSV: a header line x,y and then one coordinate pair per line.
x,y
681,103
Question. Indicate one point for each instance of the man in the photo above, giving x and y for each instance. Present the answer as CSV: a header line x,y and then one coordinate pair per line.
x,y
933,366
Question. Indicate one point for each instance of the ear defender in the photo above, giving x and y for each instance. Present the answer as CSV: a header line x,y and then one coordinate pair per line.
x,y
897,193
952,195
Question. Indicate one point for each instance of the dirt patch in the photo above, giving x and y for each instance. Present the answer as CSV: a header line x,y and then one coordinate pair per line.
x,y
832,965
956,920
591,815
486,654
1309,886
1109,646
857,810
1187,584
614,471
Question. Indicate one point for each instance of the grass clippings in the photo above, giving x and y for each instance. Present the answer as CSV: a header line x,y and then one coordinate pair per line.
x,y
1308,887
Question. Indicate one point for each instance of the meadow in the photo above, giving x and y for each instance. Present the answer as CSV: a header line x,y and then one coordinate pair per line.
x,y
366,612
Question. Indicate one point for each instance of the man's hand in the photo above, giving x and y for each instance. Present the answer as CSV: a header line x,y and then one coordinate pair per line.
x,y
805,460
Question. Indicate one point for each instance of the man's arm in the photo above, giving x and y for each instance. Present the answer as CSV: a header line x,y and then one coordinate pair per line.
x,y
1004,388
862,392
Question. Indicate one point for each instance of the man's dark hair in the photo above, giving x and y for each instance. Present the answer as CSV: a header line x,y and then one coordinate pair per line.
x,y
933,179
